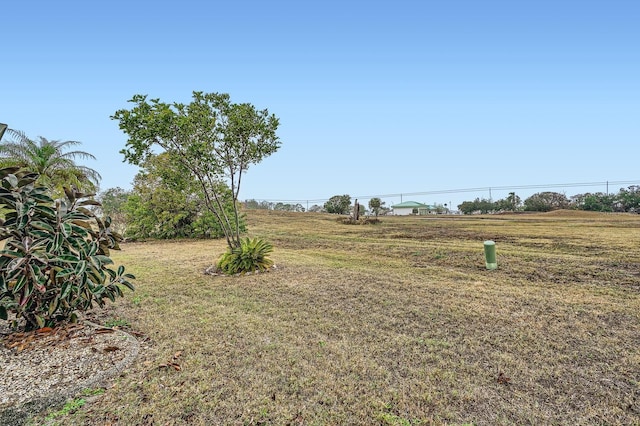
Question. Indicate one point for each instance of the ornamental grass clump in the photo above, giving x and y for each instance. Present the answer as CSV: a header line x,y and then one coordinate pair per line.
x,y
56,254
251,256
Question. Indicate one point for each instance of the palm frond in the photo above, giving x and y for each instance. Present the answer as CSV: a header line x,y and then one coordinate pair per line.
x,y
49,159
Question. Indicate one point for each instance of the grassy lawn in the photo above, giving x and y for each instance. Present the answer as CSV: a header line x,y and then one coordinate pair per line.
x,y
397,323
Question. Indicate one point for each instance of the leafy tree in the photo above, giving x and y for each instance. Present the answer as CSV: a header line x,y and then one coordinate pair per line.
x,y
577,201
482,206
513,201
251,204
316,208
288,207
338,204
546,201
629,199
55,166
166,202
266,205
113,202
598,202
55,259
375,205
294,208
158,205
466,207
213,138
259,205
510,204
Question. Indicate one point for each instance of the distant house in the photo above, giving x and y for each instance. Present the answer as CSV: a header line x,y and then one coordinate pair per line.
x,y
412,207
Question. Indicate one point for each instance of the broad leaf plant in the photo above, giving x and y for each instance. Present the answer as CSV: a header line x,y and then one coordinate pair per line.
x,y
55,261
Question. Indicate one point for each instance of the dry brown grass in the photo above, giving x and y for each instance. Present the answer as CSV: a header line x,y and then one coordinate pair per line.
x,y
397,323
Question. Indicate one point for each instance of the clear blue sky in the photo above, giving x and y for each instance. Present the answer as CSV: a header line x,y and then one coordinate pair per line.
x,y
374,97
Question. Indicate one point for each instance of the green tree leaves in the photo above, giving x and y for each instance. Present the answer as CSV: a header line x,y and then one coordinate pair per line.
x,y
375,205
251,256
213,138
338,204
167,202
54,262
546,201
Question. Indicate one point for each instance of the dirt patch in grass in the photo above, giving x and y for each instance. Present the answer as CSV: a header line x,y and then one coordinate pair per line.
x,y
398,323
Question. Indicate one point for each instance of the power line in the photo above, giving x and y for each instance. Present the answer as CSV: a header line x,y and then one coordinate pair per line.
x,y
476,189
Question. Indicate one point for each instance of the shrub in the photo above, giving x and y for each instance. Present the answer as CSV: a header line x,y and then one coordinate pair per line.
x,y
251,256
54,262
360,221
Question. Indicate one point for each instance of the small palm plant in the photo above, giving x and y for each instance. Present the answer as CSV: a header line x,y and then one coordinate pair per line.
x,y
251,256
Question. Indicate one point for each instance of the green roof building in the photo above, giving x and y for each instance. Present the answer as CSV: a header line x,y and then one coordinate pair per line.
x,y
412,207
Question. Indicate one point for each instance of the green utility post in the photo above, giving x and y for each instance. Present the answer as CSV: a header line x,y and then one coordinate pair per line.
x,y
490,255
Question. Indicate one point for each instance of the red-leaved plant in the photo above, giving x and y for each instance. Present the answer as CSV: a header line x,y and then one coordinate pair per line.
x,y
56,254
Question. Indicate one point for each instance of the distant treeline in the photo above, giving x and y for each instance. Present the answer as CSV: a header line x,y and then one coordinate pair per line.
x,y
626,200
266,205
